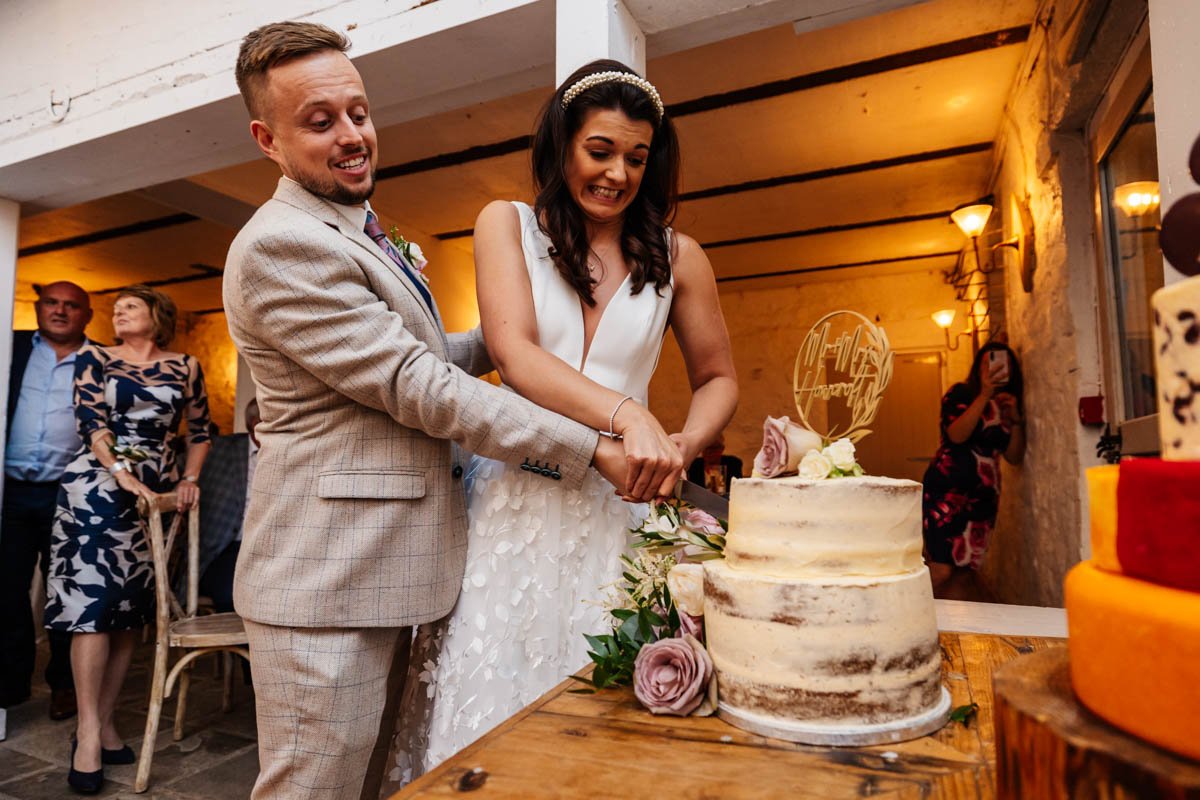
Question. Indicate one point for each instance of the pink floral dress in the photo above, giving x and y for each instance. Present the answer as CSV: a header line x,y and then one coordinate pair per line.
x,y
962,484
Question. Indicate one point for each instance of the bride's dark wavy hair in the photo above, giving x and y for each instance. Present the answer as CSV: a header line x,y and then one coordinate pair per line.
x,y
643,234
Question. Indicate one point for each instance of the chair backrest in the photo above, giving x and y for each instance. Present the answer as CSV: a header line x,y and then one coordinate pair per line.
x,y
161,547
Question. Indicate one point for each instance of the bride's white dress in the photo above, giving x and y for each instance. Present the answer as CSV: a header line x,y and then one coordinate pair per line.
x,y
540,558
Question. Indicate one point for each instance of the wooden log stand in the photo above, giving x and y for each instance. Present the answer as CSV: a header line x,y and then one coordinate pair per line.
x,y
1049,746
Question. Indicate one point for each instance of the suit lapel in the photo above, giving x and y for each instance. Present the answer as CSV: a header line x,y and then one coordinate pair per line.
x,y
296,195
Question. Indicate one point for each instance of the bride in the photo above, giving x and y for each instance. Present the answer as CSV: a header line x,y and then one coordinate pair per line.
x,y
575,295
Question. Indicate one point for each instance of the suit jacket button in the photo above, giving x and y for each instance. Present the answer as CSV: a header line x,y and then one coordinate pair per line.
x,y
457,471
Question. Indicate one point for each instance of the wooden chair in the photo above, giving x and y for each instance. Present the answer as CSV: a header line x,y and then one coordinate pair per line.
x,y
179,627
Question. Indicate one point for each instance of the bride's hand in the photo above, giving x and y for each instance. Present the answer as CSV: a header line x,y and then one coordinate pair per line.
x,y
653,460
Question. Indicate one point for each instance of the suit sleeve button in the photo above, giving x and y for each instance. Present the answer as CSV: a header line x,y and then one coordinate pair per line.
x,y
556,475
457,471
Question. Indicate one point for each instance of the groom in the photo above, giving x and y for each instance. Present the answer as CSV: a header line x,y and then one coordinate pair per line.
x,y
356,525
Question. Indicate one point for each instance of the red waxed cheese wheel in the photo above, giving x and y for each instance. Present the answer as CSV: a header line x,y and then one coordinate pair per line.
x,y
1158,521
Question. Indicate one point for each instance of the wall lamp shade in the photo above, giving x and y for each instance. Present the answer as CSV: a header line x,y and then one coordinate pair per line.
x,y
1138,198
972,219
944,318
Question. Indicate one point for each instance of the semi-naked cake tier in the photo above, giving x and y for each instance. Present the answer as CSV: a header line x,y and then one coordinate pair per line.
x,y
820,619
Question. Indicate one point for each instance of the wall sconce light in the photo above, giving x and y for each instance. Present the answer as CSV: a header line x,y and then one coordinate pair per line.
x,y
1137,198
972,218
944,319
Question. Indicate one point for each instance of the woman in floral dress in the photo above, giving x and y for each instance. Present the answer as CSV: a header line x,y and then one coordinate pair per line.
x,y
129,401
982,420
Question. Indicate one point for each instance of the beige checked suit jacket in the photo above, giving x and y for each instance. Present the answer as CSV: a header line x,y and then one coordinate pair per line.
x,y
357,515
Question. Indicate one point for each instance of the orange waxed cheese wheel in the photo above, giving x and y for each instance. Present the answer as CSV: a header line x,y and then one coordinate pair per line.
x,y
1102,508
1135,655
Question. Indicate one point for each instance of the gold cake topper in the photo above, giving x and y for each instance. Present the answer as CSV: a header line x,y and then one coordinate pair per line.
x,y
861,354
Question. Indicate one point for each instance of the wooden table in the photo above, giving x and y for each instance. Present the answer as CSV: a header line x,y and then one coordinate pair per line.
x,y
569,745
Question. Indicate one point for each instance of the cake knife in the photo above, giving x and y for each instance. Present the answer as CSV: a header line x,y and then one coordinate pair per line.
x,y
703,499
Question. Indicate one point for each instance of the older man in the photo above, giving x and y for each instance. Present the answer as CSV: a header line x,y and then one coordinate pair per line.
x,y
356,525
42,439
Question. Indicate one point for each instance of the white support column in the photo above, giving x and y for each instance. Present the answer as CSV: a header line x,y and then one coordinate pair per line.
x,y
589,29
10,217
1175,63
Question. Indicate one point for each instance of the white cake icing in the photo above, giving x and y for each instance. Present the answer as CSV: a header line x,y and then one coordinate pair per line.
x,y
821,615
1177,362
776,532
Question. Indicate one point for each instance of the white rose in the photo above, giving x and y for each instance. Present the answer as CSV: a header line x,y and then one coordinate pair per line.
x,y
686,584
815,466
416,256
841,453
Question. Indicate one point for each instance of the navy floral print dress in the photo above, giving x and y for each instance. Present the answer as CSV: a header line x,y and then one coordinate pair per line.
x,y
962,484
101,576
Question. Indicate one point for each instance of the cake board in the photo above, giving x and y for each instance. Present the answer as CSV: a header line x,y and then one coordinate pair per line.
x,y
1049,746
841,735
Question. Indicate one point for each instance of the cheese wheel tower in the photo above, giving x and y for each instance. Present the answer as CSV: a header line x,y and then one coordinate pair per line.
x,y
1133,610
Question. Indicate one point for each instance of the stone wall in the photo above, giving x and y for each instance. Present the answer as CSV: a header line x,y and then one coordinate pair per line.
x,y
767,325
1044,161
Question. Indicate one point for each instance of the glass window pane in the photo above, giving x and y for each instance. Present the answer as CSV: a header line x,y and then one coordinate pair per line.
x,y
1130,182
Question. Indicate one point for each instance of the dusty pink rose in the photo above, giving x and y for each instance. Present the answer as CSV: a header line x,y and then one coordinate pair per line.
x,y
690,625
671,676
702,522
784,444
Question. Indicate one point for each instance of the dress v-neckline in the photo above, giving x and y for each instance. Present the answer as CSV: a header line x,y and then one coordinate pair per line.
x,y
587,346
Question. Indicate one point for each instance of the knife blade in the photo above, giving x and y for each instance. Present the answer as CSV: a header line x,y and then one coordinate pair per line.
x,y
703,499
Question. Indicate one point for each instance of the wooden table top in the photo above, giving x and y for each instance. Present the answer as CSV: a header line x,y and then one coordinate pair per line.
x,y
569,745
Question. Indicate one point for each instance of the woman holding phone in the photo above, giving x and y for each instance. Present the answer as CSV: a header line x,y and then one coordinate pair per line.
x,y
982,419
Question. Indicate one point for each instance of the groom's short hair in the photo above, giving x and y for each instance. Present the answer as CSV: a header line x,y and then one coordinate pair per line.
x,y
273,44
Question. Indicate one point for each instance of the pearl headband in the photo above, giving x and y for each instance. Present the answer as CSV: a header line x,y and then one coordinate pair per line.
x,y
597,78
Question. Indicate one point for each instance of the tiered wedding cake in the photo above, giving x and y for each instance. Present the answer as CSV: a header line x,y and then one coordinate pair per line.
x,y
820,618
1133,610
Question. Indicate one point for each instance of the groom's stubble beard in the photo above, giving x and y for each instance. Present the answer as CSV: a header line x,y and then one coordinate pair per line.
x,y
325,187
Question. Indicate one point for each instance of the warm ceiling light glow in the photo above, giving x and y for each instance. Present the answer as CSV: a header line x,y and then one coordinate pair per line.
x,y
944,318
1137,198
972,219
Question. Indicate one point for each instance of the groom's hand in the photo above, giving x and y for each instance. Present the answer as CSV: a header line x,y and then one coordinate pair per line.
x,y
609,461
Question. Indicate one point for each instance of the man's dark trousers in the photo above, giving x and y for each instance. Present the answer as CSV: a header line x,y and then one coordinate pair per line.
x,y
25,522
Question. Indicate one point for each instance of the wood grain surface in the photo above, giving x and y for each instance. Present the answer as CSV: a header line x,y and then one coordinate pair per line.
x,y
1050,746
569,745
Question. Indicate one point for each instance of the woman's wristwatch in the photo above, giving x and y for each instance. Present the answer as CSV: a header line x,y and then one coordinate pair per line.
x,y
119,466
191,479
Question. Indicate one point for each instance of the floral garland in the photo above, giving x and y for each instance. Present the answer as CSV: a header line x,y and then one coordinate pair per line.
x,y
657,638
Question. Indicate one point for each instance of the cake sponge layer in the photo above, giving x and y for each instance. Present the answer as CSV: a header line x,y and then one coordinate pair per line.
x,y
853,650
1135,647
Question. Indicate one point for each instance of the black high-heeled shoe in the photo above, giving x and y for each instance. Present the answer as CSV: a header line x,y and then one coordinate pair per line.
x,y
124,755
83,782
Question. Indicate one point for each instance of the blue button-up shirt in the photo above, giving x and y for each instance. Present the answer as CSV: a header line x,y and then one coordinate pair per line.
x,y
44,436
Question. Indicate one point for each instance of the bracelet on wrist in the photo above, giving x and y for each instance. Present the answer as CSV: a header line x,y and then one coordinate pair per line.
x,y
191,479
118,466
613,419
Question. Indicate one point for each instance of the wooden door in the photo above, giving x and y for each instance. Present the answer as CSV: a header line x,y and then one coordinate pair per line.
x,y
904,435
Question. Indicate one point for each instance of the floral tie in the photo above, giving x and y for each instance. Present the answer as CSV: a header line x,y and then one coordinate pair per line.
x,y
376,232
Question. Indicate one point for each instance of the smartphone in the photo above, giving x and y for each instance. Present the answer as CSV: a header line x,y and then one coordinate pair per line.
x,y
998,365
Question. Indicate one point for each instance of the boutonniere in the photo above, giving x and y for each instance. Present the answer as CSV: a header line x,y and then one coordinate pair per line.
x,y
411,251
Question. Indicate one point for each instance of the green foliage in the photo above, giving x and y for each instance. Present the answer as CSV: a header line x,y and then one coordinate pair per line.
x,y
964,714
